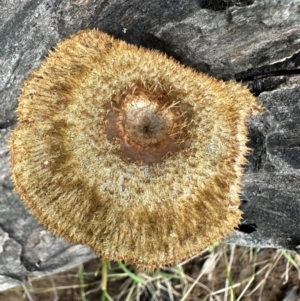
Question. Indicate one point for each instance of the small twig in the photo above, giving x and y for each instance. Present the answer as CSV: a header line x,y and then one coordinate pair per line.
x,y
27,293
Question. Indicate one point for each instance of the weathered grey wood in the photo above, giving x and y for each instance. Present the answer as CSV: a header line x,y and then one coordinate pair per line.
x,y
223,43
271,197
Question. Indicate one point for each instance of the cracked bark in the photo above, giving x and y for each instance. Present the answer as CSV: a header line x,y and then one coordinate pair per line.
x,y
256,42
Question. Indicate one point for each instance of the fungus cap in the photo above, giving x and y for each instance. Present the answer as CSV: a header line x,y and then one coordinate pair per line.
x,y
129,152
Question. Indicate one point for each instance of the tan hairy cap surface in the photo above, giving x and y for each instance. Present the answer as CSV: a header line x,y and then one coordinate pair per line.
x,y
129,152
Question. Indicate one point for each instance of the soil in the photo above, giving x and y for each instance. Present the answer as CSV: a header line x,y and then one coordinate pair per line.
x,y
254,274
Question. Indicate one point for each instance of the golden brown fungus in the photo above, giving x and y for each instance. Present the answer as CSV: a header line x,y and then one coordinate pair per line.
x,y
129,152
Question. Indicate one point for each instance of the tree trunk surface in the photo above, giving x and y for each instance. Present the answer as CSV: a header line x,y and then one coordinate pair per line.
x,y
256,42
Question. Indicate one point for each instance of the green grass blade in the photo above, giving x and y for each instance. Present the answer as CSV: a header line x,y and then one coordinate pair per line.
x,y
133,276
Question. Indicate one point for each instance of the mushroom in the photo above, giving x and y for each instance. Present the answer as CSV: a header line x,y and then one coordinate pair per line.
x,y
128,152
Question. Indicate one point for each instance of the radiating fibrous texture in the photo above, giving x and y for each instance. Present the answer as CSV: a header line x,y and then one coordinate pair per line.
x,y
129,152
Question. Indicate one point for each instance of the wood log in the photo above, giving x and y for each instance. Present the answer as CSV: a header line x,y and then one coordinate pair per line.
x,y
256,42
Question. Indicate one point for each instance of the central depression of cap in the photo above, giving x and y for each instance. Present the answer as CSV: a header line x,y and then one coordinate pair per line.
x,y
148,125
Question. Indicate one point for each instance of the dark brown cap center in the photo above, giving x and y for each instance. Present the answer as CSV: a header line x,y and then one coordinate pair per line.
x,y
148,128
144,123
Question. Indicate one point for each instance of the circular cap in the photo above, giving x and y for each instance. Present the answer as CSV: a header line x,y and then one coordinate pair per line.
x,y
129,152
